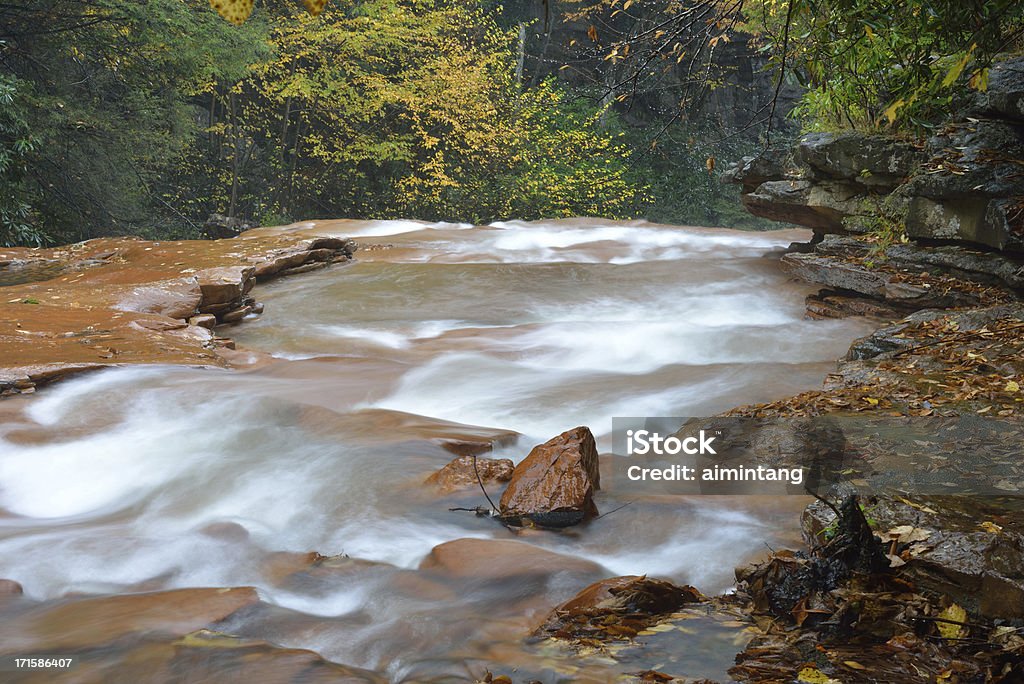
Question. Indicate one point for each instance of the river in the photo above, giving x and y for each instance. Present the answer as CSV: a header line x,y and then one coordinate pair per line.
x,y
146,478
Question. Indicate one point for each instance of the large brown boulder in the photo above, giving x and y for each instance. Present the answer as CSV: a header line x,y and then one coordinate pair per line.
x,y
461,473
554,486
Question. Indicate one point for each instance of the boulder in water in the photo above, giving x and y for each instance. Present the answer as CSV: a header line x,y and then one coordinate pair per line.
x,y
554,486
619,607
461,473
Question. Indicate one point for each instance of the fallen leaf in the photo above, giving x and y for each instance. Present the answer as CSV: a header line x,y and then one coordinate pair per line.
x,y
812,675
949,627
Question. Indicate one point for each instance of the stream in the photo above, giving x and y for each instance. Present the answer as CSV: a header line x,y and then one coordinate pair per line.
x,y
151,478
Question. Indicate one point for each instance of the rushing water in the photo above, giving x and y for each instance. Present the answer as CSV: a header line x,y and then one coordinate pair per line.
x,y
152,478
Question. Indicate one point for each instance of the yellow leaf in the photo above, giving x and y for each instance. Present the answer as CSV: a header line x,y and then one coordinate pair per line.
x,y
314,7
854,665
235,11
812,675
990,526
1012,386
979,80
949,627
871,400
958,68
891,110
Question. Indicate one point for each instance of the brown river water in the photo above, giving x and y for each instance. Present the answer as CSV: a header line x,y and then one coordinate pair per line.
x,y
141,479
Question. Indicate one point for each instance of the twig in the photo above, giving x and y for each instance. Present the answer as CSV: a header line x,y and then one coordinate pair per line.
x,y
615,509
482,489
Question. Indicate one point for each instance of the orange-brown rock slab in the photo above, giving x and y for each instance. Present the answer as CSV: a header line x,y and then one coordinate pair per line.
x,y
554,485
112,301
82,623
208,657
500,559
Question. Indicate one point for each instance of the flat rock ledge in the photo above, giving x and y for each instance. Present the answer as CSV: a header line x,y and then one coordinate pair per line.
x,y
118,301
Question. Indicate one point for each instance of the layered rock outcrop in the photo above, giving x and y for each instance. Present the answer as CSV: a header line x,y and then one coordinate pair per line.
x,y
964,184
113,301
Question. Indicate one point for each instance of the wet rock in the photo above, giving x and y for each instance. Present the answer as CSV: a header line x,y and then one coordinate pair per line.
x,y
305,268
889,339
193,333
822,207
208,321
875,161
618,607
772,165
174,299
554,485
461,473
316,253
236,315
832,304
92,622
835,274
219,226
226,531
959,262
957,555
467,447
26,378
207,656
840,274
110,313
159,323
490,559
10,588
1004,97
962,185
224,285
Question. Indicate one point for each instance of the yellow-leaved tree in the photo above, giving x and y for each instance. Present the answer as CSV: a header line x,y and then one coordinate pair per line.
x,y
237,11
386,108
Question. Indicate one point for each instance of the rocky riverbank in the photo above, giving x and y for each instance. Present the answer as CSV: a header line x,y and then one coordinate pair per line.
x,y
926,237
115,301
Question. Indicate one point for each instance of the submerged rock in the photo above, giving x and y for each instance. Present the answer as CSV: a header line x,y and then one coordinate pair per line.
x,y
461,473
491,559
93,622
554,486
619,607
207,656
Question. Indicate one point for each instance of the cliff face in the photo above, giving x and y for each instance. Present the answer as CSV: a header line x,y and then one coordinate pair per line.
x,y
965,184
